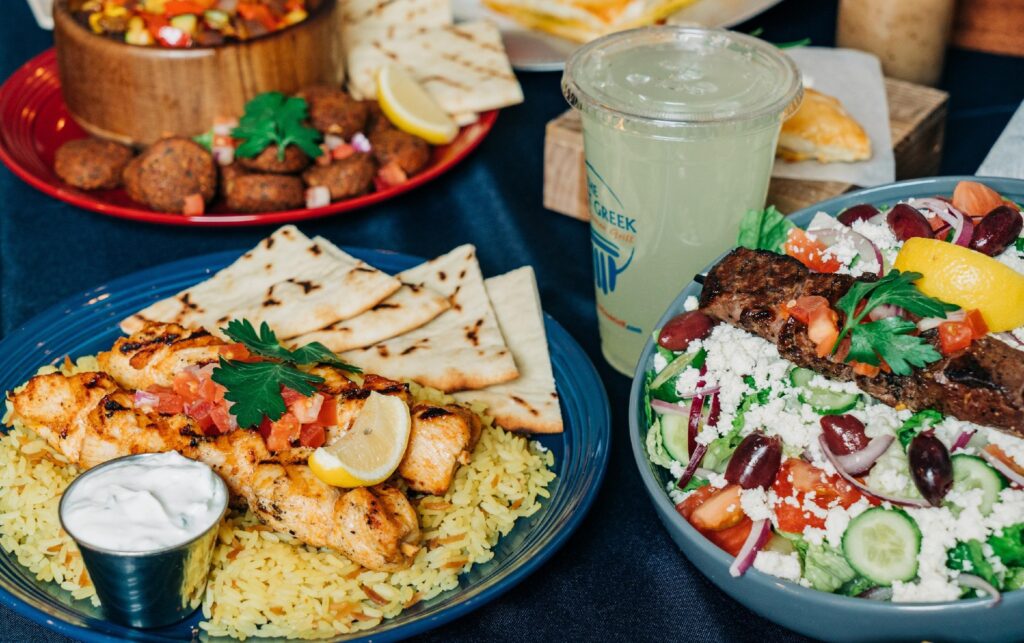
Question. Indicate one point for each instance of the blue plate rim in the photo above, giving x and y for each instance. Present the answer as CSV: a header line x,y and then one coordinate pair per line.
x,y
599,407
665,507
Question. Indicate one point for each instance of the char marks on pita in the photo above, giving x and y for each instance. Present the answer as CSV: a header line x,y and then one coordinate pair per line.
x,y
462,348
288,280
530,402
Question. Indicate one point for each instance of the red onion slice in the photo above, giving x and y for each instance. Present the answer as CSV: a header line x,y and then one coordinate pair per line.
x,y
980,584
693,426
860,462
760,532
901,502
963,225
929,323
962,440
662,406
691,466
1009,338
145,398
867,250
699,392
1003,468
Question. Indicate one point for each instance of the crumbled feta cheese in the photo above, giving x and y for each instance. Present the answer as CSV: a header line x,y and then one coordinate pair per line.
x,y
755,504
659,362
718,480
688,382
814,535
839,518
1012,259
690,303
1011,446
785,566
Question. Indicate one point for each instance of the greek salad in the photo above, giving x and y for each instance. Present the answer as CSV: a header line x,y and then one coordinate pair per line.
x,y
809,478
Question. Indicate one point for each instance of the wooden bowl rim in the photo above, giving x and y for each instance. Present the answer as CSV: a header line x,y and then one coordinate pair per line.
x,y
62,15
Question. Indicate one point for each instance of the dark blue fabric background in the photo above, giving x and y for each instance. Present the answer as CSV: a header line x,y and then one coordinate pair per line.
x,y
619,577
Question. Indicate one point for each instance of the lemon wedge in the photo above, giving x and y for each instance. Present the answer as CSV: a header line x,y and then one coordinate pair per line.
x,y
966,278
411,108
369,452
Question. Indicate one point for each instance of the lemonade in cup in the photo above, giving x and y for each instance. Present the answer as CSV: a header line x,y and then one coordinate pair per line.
x,y
679,131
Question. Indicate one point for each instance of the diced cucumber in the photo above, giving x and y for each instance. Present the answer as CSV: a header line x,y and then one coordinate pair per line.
x,y
971,472
824,401
675,436
882,545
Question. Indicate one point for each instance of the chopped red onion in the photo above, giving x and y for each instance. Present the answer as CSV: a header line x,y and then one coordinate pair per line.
x,y
145,398
929,323
361,143
860,462
333,141
1003,468
694,425
318,196
223,154
886,310
661,406
963,226
982,585
700,392
760,532
693,464
962,440
902,502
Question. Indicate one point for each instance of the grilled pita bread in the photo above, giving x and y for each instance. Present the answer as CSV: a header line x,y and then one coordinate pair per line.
x,y
584,20
464,67
409,308
462,348
530,402
294,283
369,20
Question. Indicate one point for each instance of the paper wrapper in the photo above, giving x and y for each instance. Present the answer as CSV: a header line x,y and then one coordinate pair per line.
x,y
855,78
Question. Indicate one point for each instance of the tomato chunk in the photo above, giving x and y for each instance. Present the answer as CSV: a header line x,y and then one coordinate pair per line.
x,y
312,435
729,539
280,434
720,511
810,252
954,336
821,320
793,485
977,323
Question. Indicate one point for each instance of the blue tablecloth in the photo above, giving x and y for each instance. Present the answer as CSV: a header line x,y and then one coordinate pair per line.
x,y
619,577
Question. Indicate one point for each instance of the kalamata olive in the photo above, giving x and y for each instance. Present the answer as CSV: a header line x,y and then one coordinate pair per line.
x,y
906,221
755,461
685,328
930,467
844,434
860,212
997,230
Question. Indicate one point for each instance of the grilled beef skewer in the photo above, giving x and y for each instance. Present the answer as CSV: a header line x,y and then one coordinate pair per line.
x,y
983,384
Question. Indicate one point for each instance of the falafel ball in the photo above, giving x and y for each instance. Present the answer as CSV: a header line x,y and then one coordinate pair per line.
x,y
92,163
256,192
170,170
347,178
411,153
228,173
332,111
295,160
376,120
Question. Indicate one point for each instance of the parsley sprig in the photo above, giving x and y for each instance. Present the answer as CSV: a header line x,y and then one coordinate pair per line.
x,y
889,338
254,388
275,119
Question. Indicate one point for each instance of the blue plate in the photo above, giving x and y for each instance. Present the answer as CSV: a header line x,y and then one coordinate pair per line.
x,y
818,614
87,323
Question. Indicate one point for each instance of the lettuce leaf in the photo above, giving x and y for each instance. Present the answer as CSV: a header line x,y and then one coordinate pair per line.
x,y
764,230
1008,545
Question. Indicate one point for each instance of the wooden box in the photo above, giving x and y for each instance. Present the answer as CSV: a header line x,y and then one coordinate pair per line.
x,y
917,116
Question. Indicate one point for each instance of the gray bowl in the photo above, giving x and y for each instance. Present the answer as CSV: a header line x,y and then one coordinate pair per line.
x,y
810,612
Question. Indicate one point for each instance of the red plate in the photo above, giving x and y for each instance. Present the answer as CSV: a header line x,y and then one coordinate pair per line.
x,y
35,122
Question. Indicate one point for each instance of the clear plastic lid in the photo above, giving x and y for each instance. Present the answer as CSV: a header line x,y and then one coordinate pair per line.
x,y
682,76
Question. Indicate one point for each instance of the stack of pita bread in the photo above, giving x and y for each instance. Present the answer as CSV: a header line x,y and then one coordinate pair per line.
x,y
464,67
439,324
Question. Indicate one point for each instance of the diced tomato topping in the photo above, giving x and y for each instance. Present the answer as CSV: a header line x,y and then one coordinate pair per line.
x,y
821,320
199,410
343,151
796,479
223,421
720,511
328,412
236,352
954,336
280,434
730,538
977,324
290,396
201,399
861,368
312,435
307,409
810,252
168,402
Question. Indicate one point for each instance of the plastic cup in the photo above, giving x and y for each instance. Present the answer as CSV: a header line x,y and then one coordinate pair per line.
x,y
679,130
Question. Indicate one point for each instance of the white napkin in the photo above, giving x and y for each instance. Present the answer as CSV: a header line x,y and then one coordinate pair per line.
x,y
855,78
43,11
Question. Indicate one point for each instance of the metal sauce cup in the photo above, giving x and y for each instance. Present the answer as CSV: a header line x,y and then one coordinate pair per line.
x,y
154,588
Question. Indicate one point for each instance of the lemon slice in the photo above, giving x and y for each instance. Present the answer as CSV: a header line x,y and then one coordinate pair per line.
x,y
966,278
369,452
411,108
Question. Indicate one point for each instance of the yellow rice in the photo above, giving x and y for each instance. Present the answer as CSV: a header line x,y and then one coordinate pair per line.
x,y
267,584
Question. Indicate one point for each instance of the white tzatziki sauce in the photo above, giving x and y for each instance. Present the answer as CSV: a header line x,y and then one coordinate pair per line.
x,y
144,504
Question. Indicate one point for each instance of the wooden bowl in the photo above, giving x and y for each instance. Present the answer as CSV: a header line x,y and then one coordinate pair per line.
x,y
136,95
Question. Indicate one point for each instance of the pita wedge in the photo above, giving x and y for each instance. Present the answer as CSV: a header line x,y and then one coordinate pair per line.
x,y
584,20
368,20
462,348
294,283
530,402
464,67
409,308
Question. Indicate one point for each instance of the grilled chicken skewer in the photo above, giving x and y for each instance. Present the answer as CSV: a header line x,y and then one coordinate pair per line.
x,y
90,419
983,384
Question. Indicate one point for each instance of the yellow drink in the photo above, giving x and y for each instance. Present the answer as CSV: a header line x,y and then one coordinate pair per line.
x,y
679,131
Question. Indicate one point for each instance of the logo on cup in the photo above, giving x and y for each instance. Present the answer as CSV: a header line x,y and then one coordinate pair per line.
x,y
612,232
606,262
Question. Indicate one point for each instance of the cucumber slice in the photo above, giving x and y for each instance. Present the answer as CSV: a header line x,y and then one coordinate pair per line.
x,y
675,437
822,400
678,365
882,545
971,472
